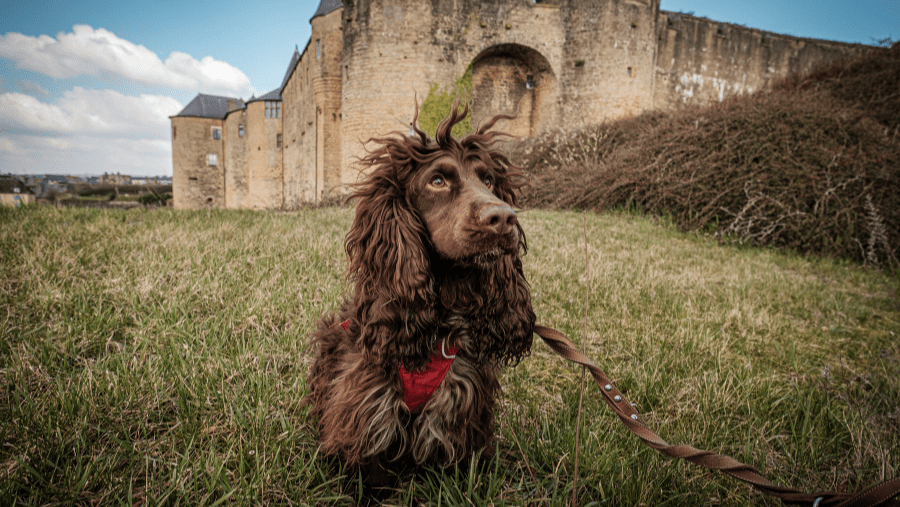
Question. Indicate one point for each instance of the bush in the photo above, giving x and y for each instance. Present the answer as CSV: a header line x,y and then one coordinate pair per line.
x,y
810,168
437,103
154,199
87,190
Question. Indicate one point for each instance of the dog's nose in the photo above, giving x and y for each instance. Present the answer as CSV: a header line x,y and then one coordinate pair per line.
x,y
499,219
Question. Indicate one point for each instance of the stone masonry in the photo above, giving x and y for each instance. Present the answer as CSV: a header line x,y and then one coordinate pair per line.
x,y
565,63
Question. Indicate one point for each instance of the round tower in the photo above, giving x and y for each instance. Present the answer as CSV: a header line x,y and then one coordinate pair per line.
x,y
326,54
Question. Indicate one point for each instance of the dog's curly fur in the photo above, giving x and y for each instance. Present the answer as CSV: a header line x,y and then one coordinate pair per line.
x,y
434,254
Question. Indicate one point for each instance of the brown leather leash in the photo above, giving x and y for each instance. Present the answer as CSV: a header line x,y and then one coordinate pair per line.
x,y
885,494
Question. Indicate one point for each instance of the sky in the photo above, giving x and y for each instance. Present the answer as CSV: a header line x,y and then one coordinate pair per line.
x,y
88,87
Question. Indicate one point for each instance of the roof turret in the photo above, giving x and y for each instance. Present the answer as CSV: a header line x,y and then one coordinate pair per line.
x,y
326,6
295,59
272,95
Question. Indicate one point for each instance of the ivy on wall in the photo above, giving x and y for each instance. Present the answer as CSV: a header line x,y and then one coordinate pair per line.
x,y
437,105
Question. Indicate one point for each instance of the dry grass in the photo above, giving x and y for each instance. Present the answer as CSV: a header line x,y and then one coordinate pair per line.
x,y
156,357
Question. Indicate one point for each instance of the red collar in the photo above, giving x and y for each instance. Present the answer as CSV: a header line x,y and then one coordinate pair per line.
x,y
418,387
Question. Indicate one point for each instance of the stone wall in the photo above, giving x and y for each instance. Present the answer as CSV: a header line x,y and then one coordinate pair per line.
x,y
14,200
566,63
563,63
237,171
299,125
701,61
327,86
263,157
196,183
396,49
312,117
609,56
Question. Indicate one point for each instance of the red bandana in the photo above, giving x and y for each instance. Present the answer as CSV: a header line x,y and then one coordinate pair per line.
x,y
418,387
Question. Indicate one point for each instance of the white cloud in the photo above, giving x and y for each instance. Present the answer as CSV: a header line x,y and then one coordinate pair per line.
x,y
99,52
32,154
32,88
87,132
7,145
89,112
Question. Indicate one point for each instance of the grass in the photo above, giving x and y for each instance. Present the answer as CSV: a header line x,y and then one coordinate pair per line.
x,y
158,357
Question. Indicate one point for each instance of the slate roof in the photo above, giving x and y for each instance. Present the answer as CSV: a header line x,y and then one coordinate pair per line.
x,y
276,93
326,6
272,95
295,59
8,185
208,106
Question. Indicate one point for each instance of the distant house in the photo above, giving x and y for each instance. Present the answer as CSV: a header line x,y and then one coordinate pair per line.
x,y
14,192
34,183
54,183
115,179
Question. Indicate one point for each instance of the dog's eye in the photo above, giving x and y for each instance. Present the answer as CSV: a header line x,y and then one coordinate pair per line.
x,y
488,183
438,181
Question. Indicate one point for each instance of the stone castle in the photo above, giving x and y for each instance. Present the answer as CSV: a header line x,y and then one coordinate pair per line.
x,y
569,63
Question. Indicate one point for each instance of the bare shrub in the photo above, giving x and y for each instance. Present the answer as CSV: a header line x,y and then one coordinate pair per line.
x,y
803,167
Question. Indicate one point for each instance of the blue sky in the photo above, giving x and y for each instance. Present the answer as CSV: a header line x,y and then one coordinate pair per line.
x,y
87,87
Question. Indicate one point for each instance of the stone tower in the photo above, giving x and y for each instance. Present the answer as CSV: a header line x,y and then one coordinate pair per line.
x,y
312,95
198,152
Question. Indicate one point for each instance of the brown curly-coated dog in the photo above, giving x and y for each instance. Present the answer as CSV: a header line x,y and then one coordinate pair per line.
x,y
406,371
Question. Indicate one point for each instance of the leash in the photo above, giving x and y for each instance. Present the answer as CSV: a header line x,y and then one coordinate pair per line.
x,y
886,494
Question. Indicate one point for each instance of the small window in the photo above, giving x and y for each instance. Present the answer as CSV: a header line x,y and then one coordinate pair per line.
x,y
529,82
273,109
629,71
212,159
244,112
241,130
318,48
278,141
216,133
174,130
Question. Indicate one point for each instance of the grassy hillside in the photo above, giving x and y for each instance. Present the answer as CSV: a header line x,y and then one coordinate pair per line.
x,y
152,357
812,165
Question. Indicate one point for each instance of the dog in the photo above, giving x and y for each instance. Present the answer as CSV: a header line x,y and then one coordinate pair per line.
x,y
406,371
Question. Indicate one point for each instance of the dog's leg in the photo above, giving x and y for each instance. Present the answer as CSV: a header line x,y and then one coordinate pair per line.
x,y
360,408
459,419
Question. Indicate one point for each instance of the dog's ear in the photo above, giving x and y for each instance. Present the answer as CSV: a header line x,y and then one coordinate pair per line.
x,y
390,266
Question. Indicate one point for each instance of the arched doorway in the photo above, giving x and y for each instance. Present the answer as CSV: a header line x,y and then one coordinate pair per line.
x,y
507,75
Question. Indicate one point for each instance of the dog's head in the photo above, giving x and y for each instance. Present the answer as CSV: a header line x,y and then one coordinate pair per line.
x,y
430,210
